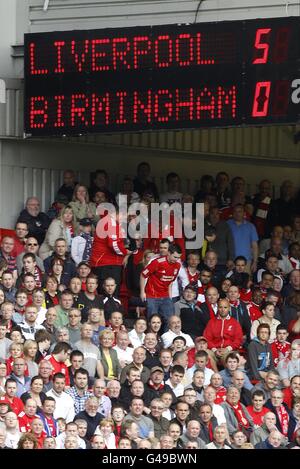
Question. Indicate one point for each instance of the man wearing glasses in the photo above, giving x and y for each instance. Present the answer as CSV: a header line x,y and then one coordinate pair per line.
x,y
161,424
31,246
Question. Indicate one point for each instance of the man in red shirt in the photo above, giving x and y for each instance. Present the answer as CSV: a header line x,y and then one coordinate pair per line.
x,y
156,283
257,409
20,238
281,348
61,352
27,416
10,395
223,333
109,251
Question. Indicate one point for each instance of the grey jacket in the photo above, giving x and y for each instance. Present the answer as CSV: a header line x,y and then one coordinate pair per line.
x,y
231,420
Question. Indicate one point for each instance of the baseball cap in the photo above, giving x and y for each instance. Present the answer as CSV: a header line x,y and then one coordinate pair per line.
x,y
85,222
4,401
198,339
83,263
156,368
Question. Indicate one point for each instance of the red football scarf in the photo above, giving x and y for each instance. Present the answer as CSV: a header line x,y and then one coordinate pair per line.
x,y
261,215
254,311
212,314
221,395
234,304
280,350
284,419
240,416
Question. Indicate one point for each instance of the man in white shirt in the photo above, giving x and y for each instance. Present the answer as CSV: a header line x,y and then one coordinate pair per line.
x,y
175,331
137,334
201,360
176,379
64,403
123,351
71,430
30,326
99,389
210,395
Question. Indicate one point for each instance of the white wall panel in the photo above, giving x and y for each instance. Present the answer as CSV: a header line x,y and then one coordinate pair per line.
x,y
78,14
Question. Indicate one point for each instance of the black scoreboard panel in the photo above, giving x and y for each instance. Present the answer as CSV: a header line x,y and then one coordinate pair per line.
x,y
220,74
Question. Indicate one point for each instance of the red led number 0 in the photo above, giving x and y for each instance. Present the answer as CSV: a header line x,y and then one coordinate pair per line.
x,y
261,99
262,46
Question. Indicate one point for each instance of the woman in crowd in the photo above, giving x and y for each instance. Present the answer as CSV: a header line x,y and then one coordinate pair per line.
x,y
51,292
81,205
35,392
64,227
110,362
30,350
28,441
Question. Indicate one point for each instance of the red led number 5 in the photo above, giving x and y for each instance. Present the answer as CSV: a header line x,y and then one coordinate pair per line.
x,y
261,46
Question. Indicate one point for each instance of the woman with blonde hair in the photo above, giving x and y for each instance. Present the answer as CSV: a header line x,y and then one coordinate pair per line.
x,y
64,227
105,428
81,205
30,349
109,356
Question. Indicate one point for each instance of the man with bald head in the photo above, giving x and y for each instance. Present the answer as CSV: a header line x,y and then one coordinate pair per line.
x,y
273,441
175,331
27,416
37,221
223,333
238,380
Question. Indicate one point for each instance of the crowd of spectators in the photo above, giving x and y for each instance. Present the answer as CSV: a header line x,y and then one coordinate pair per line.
x,y
139,342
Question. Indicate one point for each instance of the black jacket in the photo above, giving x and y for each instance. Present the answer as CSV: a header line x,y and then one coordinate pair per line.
x,y
190,315
37,226
92,422
69,266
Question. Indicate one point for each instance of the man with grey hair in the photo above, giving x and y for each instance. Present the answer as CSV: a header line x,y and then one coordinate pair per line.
x,y
161,424
99,389
37,221
113,391
274,441
192,432
236,414
91,415
220,439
